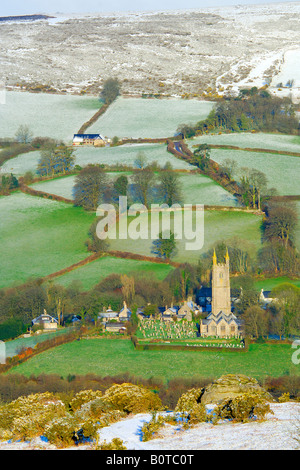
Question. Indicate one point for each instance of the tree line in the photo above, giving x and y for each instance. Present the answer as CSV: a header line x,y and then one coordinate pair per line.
x,y
254,109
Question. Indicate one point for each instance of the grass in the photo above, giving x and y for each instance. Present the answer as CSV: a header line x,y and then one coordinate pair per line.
x,y
218,225
281,170
259,140
47,115
269,284
89,275
107,357
153,118
14,346
120,155
195,188
39,236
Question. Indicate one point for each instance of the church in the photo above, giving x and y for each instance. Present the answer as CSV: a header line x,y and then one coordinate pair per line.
x,y
221,322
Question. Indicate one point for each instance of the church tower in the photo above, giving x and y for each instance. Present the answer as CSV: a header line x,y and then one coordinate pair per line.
x,y
221,286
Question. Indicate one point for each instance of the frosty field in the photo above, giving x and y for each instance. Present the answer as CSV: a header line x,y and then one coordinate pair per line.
x,y
47,115
196,189
122,155
153,118
218,226
282,171
39,236
257,140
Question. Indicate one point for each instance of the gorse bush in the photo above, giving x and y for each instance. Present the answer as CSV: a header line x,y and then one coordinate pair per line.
x,y
242,408
115,444
190,409
82,397
26,417
61,431
189,400
150,430
132,398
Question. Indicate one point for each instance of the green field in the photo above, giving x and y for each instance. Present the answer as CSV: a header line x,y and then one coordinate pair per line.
x,y
282,171
152,118
39,236
269,284
106,357
46,115
120,155
89,275
218,226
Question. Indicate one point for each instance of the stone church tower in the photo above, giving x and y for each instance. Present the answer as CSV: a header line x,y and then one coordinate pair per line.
x,y
221,286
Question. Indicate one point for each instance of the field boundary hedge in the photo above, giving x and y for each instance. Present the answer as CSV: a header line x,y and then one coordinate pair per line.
x,y
93,119
33,192
39,347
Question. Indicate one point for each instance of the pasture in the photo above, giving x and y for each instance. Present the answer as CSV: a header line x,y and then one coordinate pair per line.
x,y
258,140
121,155
218,226
152,118
46,115
195,188
39,236
109,357
282,171
87,276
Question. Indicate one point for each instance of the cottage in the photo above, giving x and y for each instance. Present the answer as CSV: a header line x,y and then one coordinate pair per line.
x,y
45,322
122,316
265,299
89,139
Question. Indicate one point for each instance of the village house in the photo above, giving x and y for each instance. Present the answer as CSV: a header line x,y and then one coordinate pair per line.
x,y
109,315
89,139
265,299
45,322
184,311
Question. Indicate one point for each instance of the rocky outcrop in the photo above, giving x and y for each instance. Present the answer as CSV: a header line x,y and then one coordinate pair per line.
x,y
230,386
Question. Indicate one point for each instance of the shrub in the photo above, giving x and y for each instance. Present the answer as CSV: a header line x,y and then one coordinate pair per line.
x,y
189,399
26,417
115,444
284,398
61,432
151,429
94,409
242,408
197,414
132,398
82,397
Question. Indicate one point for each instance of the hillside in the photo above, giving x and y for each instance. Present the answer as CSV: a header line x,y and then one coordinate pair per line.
x,y
171,52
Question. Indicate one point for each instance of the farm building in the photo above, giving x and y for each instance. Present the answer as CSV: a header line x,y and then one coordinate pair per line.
x,y
89,139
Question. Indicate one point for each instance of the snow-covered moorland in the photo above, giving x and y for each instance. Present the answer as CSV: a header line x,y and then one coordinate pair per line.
x,y
171,52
